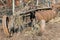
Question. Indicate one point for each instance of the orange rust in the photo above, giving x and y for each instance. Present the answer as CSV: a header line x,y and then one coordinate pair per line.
x,y
38,16
46,15
9,3
26,1
4,24
17,2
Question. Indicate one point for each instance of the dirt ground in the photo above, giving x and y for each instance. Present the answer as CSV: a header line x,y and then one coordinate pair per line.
x,y
53,33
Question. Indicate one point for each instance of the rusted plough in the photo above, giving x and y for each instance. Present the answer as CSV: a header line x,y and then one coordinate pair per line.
x,y
40,16
29,18
45,16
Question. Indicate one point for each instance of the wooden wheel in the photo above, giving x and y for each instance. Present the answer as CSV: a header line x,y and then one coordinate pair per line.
x,y
5,21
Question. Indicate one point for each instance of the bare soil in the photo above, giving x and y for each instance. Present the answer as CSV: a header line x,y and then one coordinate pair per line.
x,y
53,33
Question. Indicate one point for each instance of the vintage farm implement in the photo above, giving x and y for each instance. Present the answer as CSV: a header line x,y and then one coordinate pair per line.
x,y
32,14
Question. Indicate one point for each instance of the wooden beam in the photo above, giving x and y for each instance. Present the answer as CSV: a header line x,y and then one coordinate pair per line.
x,y
13,7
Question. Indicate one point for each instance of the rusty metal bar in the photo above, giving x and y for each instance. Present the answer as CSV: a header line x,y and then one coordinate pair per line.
x,y
5,25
